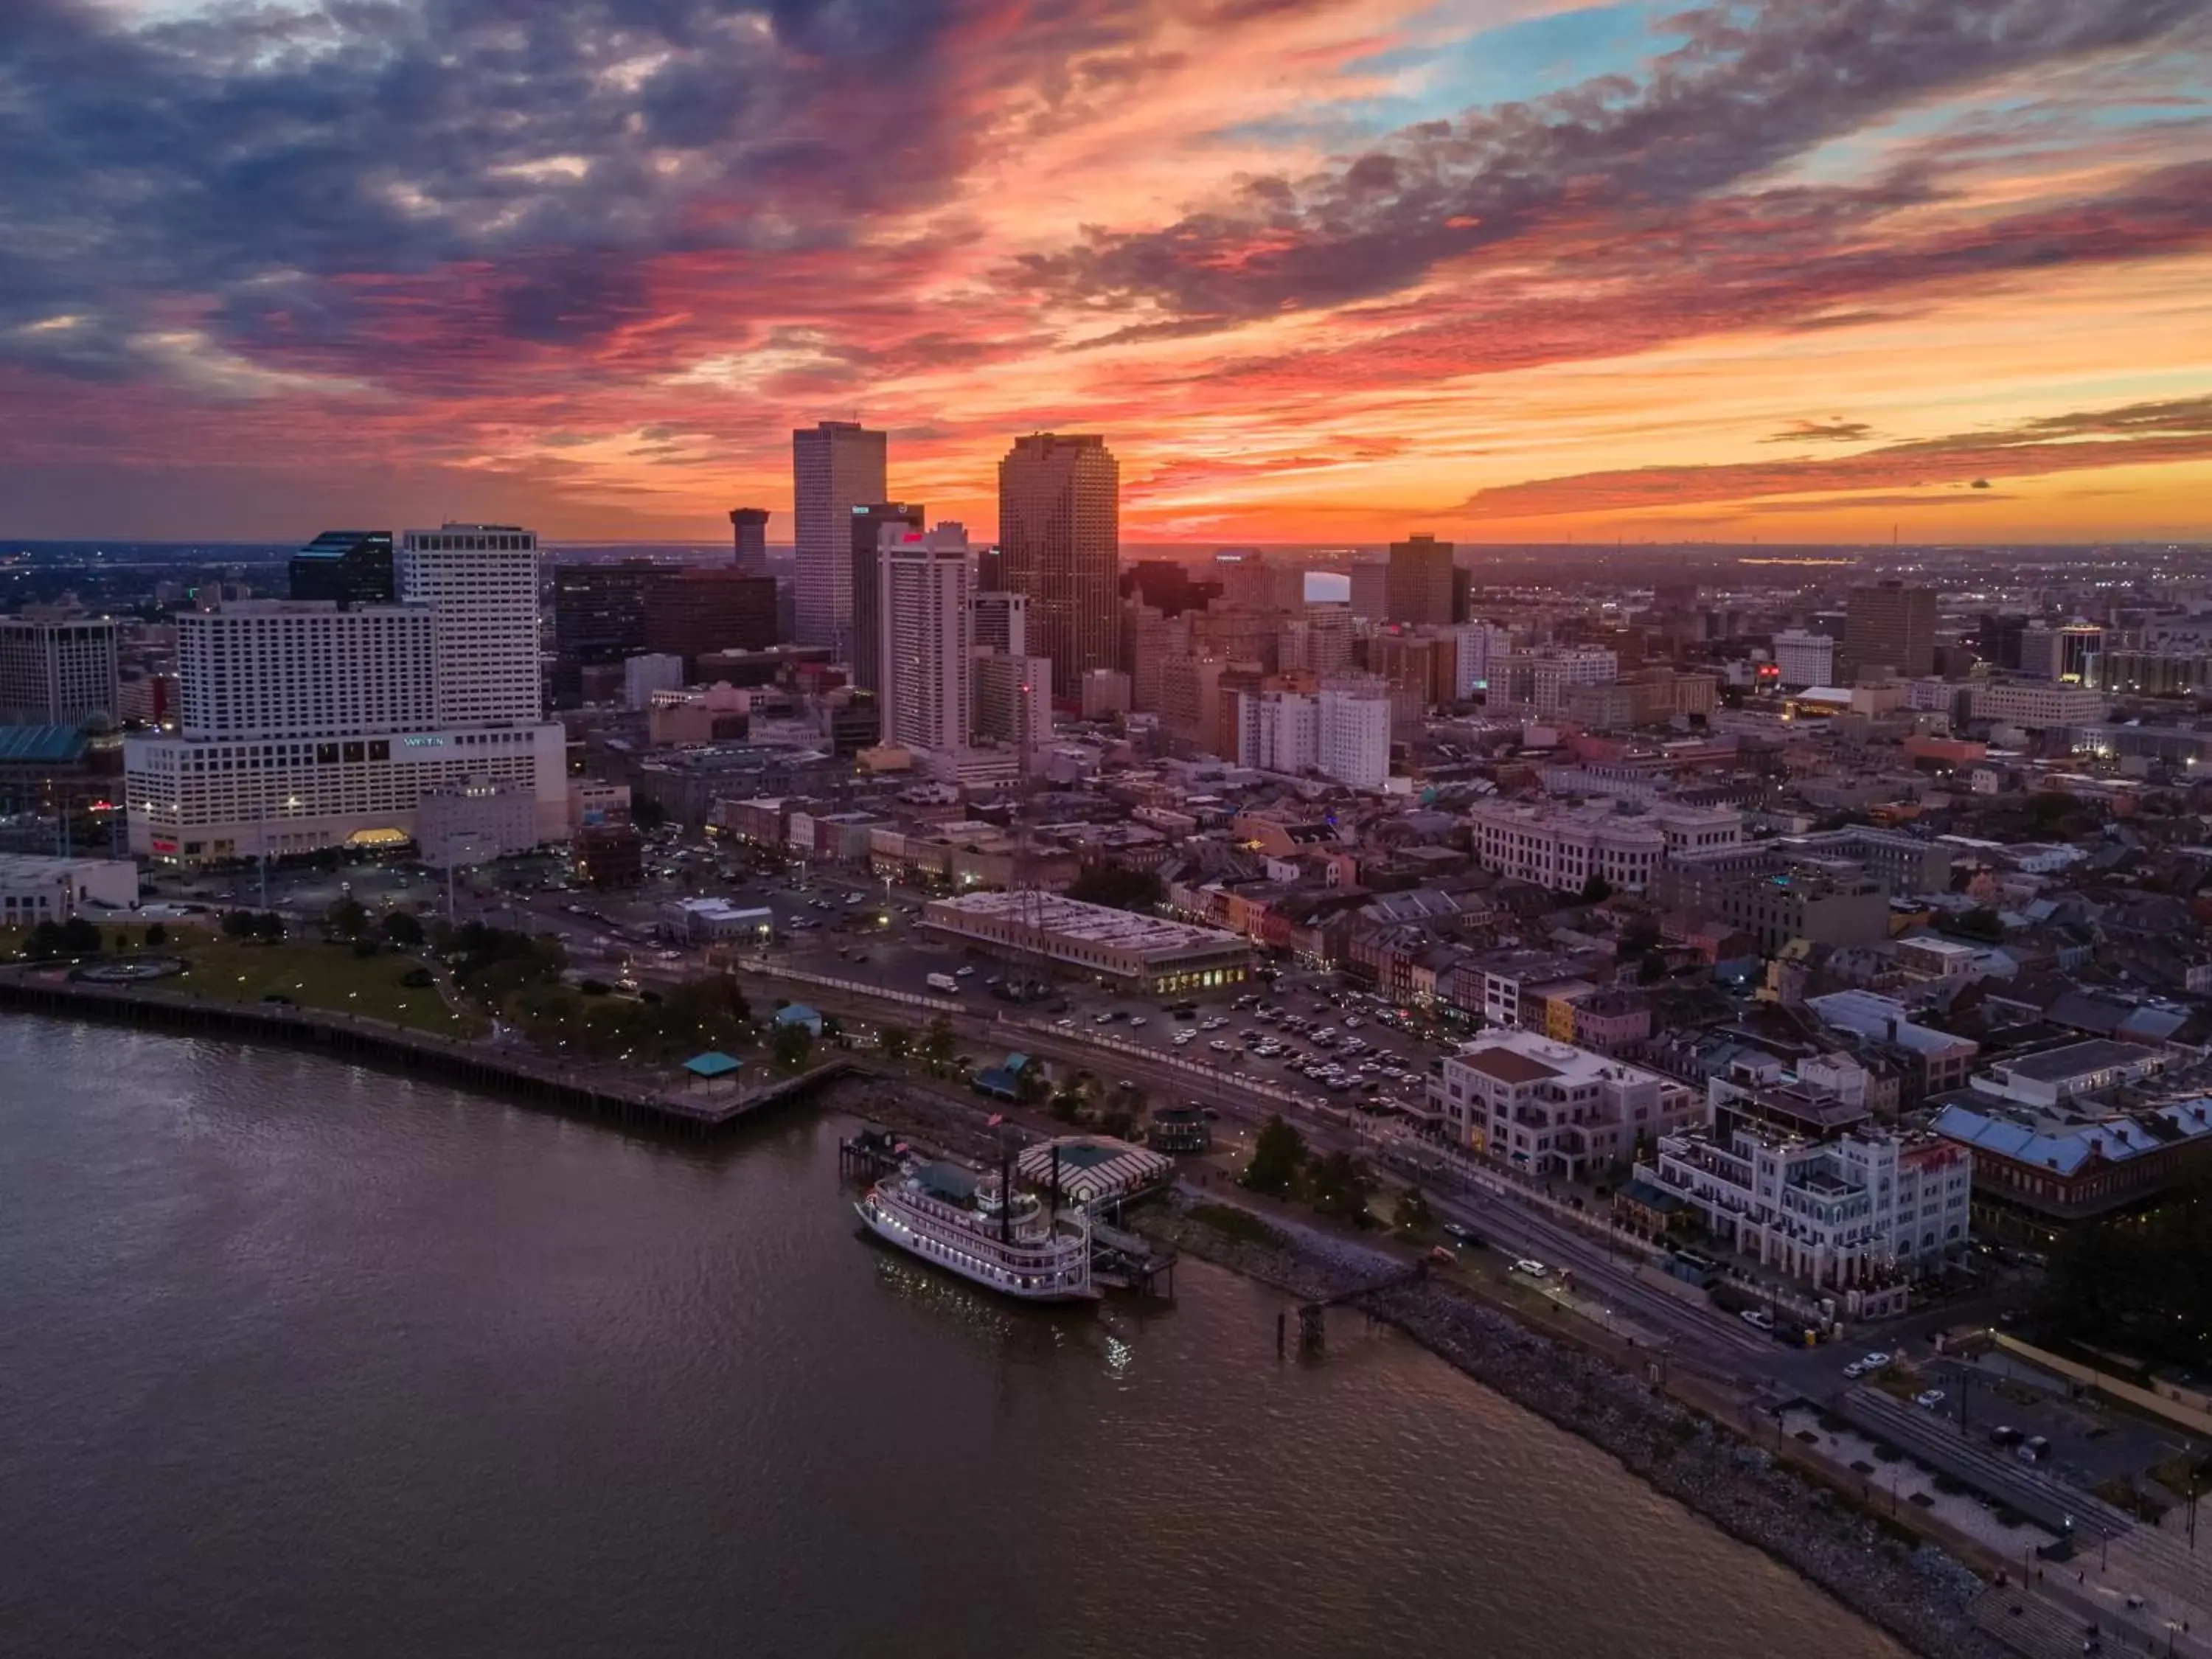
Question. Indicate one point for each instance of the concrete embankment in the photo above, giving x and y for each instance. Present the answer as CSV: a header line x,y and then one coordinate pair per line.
x,y
1918,1593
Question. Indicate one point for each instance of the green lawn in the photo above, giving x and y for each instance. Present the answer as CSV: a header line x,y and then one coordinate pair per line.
x,y
315,975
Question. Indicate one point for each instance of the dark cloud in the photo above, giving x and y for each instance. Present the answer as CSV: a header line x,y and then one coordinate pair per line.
x,y
2147,433
277,176
1749,88
1832,432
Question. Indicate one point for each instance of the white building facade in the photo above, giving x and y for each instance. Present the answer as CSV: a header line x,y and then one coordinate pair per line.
x,y
1551,1109
1352,736
303,726
1805,659
480,582
1563,846
925,579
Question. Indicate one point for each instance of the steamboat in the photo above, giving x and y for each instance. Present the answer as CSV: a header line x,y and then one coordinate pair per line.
x,y
980,1228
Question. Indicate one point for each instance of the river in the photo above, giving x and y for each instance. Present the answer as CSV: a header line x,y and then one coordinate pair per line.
x,y
306,1358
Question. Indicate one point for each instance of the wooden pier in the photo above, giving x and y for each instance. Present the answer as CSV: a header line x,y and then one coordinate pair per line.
x,y
603,1093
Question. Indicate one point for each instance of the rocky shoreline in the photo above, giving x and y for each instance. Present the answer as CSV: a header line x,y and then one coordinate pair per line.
x,y
1918,1594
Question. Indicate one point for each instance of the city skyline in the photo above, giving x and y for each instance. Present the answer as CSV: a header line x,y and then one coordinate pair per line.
x,y
1497,270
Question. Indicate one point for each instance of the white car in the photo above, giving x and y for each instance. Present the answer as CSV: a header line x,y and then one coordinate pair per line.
x,y
1219,1046
963,972
1929,1401
1136,1019
1532,1269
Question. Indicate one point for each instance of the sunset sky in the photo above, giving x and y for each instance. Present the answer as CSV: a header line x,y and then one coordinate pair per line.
x,y
1321,270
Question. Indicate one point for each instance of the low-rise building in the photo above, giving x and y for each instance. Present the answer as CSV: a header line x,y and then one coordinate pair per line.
x,y
1550,1109
1139,953
1618,841
1794,1176
2040,1169
35,889
1776,896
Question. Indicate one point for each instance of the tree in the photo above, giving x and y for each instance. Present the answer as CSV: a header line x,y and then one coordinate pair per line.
x,y
938,1044
1073,1096
893,1041
346,917
790,1044
1340,1184
1118,887
833,1030
1981,923
646,813
1031,1086
1279,1152
1597,889
157,935
269,927
238,924
403,929
45,943
1413,1215
80,938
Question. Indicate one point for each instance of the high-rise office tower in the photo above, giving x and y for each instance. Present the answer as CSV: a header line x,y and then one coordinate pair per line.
x,y
1059,535
1370,590
1247,580
925,579
1892,626
58,670
346,566
1002,623
599,610
865,540
1013,700
749,524
1418,587
990,569
835,466
692,613
481,582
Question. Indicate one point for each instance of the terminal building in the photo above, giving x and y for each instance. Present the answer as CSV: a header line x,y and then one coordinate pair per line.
x,y
1143,955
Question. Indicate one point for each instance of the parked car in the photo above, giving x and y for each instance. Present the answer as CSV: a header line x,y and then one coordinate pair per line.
x,y
1929,1400
2033,1449
2005,1435
1531,1269
1758,1318
1464,1234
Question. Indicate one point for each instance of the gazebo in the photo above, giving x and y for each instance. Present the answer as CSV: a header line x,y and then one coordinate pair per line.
x,y
797,1013
712,1073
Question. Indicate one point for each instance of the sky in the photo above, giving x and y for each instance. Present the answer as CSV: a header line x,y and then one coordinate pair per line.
x,y
1320,270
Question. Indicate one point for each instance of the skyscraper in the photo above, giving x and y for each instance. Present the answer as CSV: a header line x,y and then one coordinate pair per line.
x,y
346,566
1892,626
693,613
1060,537
750,526
1002,623
865,540
1418,587
1370,590
835,466
924,580
481,582
57,670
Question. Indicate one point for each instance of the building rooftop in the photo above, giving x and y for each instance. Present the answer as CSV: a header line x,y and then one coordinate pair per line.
x,y
2065,1141
1089,924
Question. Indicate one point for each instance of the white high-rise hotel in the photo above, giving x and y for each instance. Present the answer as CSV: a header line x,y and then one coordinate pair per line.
x,y
925,578
304,724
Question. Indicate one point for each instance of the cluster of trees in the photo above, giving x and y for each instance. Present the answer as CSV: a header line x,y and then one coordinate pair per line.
x,y
700,1014
76,937
492,963
265,926
2123,1284
1336,1184
937,1046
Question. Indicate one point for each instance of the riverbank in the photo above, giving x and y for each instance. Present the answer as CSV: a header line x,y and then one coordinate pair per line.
x,y
1915,1592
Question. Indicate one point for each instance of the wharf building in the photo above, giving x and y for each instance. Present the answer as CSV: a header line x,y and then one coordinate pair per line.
x,y
57,669
305,726
34,888
1142,954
